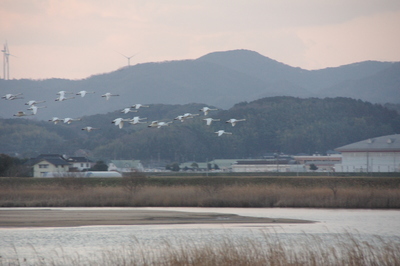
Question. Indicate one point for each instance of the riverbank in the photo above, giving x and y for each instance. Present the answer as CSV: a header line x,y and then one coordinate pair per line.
x,y
65,217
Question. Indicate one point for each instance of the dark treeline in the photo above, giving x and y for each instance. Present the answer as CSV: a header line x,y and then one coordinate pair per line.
x,y
276,124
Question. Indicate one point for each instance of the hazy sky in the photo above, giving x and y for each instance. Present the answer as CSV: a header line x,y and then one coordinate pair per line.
x,y
78,38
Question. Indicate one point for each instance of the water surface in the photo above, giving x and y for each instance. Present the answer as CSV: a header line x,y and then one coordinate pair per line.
x,y
89,241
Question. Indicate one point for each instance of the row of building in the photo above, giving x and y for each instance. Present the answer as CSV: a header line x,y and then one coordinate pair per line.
x,y
55,165
380,154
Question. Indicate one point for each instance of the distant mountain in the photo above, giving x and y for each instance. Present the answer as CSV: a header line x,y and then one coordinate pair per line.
x,y
377,87
264,68
220,79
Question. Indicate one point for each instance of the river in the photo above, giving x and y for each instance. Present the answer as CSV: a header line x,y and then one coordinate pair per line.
x,y
52,243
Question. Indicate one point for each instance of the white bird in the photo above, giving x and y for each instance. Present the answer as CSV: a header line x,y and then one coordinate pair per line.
x,y
33,102
20,113
138,105
136,120
89,129
34,108
189,115
120,122
12,96
127,110
234,121
83,93
206,109
62,93
69,120
163,124
55,120
221,132
159,124
63,98
180,118
210,120
153,124
108,95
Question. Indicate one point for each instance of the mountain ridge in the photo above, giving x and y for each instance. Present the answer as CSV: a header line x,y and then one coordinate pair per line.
x,y
221,79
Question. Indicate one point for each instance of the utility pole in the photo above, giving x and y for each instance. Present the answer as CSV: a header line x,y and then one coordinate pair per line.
x,y
207,167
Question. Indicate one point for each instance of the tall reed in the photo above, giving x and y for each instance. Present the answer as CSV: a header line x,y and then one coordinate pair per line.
x,y
199,196
266,249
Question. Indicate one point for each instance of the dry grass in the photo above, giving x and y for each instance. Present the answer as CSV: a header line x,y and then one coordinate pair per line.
x,y
269,249
68,195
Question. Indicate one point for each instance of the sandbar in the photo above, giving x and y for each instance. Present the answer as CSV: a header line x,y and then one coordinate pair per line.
x,y
75,217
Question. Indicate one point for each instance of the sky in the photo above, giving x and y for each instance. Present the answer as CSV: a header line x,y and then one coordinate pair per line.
x,y
75,39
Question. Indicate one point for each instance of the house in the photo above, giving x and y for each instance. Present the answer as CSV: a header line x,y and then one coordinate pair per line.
x,y
46,165
56,165
381,154
80,163
125,166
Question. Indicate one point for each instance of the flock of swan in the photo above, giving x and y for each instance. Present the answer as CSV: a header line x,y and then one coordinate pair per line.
x,y
119,122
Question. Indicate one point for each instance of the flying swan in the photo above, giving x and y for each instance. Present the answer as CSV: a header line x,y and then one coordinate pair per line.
x,y
83,93
138,105
34,108
108,95
210,120
221,132
120,122
12,96
127,110
136,120
234,121
69,120
206,109
33,102
89,129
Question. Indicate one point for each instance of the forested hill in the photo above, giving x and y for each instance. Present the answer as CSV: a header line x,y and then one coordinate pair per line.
x,y
274,124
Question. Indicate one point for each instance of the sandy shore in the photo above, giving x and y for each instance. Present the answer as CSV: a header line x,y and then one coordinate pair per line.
x,y
74,217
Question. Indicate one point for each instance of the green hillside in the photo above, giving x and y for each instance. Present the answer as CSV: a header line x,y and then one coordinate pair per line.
x,y
275,124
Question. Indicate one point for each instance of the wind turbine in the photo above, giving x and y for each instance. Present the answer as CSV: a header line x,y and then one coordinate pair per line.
x,y
128,57
6,62
6,65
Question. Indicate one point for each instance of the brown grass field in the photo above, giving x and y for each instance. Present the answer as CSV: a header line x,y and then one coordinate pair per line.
x,y
143,191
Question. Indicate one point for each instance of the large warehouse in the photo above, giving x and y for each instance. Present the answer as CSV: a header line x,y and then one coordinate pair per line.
x,y
380,154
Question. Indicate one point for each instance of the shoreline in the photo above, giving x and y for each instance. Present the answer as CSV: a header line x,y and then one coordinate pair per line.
x,y
14,218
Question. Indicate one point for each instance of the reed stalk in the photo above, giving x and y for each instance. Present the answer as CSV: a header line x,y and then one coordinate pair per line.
x,y
266,249
55,195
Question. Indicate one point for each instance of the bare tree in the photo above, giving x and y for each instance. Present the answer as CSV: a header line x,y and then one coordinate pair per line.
x,y
133,182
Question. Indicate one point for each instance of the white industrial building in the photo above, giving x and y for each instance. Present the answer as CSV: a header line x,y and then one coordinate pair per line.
x,y
381,154
267,165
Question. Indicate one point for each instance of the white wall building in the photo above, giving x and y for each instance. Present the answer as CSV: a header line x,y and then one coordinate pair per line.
x,y
55,165
323,163
381,154
267,165
45,167
80,163
125,166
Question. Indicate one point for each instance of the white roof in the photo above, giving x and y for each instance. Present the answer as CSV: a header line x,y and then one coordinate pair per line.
x,y
387,143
